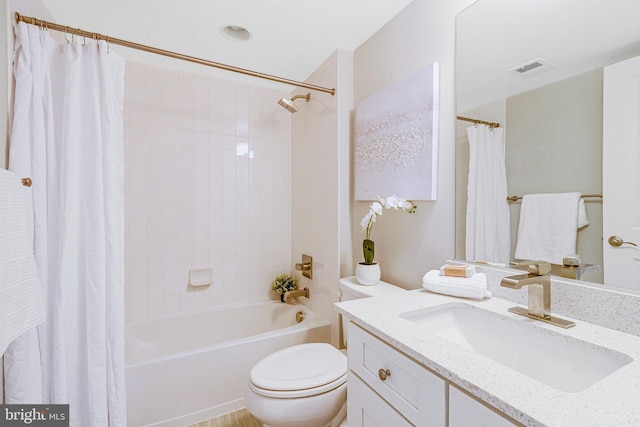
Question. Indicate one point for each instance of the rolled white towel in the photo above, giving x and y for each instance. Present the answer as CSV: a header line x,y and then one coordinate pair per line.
x,y
474,287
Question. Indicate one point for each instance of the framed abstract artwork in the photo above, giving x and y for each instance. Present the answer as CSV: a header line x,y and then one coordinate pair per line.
x,y
396,144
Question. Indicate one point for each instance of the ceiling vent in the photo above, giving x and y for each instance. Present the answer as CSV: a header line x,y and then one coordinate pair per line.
x,y
530,68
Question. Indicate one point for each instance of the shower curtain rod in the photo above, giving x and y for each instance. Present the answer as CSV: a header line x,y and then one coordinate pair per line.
x,y
479,122
112,40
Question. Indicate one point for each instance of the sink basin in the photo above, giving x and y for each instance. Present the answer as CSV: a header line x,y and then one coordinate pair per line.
x,y
557,360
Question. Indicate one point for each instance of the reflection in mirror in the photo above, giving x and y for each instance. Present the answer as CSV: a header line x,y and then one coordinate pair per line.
x,y
552,113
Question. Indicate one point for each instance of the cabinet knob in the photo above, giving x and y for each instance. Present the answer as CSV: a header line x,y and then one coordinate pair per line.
x,y
383,374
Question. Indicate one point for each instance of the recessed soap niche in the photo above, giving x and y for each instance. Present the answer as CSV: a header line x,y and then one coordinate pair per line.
x,y
200,276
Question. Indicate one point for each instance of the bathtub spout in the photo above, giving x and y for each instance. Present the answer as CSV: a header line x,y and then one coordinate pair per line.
x,y
289,295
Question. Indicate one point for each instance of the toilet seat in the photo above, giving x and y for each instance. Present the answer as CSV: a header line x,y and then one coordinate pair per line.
x,y
299,371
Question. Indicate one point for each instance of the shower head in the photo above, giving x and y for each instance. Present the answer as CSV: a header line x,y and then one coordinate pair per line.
x,y
289,105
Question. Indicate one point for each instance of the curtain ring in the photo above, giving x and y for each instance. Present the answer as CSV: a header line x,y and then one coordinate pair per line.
x,y
65,34
108,46
84,39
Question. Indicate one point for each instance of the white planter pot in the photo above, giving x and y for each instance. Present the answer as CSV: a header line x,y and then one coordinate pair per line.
x,y
368,274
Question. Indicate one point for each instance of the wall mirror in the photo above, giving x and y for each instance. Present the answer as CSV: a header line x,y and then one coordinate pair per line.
x,y
552,112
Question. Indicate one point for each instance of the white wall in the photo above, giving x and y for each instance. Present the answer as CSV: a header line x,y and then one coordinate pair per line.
x,y
320,183
423,33
208,184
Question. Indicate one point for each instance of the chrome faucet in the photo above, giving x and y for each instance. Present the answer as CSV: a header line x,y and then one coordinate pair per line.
x,y
290,295
538,282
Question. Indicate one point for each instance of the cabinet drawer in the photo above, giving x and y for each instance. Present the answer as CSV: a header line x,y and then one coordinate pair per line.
x,y
366,409
412,389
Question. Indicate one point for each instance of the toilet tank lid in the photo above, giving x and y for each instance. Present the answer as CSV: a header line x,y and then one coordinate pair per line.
x,y
351,285
299,367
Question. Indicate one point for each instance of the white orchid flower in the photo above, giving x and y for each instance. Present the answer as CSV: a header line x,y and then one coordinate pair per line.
x,y
409,207
377,207
393,202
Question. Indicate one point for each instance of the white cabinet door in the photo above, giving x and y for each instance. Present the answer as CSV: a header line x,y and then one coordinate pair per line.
x,y
415,392
366,409
621,173
466,411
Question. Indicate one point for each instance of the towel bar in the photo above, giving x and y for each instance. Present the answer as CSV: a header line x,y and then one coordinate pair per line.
x,y
516,198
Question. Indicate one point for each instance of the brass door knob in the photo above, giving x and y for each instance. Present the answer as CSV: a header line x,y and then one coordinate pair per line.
x,y
617,241
383,374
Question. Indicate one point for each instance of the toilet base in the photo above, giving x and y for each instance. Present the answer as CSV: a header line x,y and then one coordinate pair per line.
x,y
340,420
324,410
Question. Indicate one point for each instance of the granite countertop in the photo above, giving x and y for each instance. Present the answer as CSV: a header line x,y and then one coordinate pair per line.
x,y
612,401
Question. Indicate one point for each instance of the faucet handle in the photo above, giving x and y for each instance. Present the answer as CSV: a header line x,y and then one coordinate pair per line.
x,y
539,268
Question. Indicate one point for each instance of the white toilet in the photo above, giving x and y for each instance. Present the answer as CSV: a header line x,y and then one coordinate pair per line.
x,y
306,384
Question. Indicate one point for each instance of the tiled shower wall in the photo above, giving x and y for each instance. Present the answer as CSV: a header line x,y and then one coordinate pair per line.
x,y
207,185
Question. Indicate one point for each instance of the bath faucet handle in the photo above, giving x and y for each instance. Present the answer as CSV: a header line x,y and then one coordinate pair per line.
x,y
306,266
539,268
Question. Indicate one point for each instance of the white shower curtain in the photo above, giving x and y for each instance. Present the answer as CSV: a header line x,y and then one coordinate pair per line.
x,y
487,224
67,135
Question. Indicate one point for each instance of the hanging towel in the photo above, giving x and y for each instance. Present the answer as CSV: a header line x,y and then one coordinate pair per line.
x,y
548,224
583,221
21,299
467,287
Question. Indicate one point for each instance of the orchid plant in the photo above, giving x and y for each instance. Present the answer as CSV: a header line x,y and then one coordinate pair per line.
x,y
376,208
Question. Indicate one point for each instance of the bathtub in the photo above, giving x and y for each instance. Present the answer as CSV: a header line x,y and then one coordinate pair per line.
x,y
181,370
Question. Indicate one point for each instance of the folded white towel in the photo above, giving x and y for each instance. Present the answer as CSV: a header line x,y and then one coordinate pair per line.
x,y
21,297
548,224
474,287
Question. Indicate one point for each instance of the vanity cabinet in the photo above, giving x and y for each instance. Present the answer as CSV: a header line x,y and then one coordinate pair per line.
x,y
387,388
388,384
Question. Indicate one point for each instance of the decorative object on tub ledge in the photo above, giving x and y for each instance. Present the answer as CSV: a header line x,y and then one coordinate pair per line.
x,y
283,284
368,272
